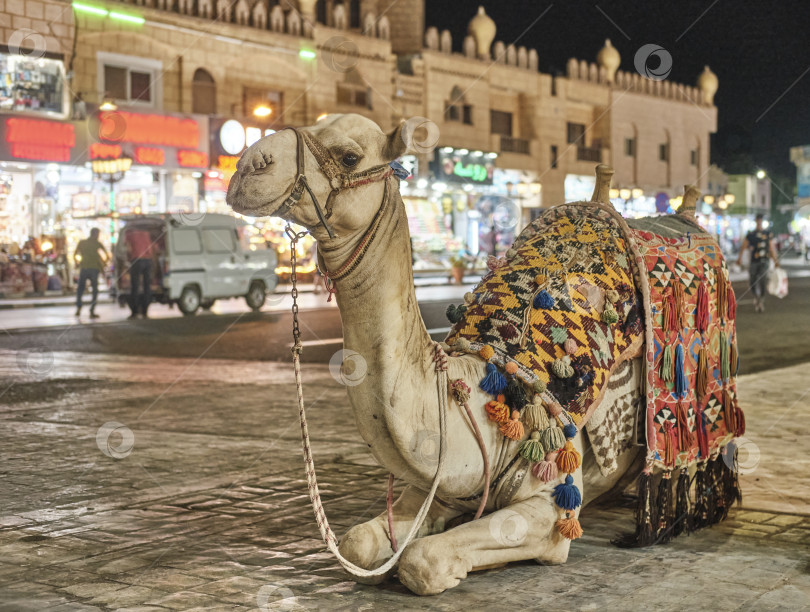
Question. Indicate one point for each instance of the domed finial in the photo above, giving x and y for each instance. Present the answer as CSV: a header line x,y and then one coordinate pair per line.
x,y
609,59
688,207
601,189
482,29
707,82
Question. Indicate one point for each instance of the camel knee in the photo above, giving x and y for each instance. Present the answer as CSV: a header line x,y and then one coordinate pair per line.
x,y
554,550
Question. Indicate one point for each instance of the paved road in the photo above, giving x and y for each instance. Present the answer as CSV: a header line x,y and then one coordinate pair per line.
x,y
774,339
205,507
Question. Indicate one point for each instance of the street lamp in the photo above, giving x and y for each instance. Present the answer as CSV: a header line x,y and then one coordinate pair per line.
x,y
111,170
760,174
262,111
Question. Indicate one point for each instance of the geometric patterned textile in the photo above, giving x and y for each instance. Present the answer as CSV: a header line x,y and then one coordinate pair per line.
x,y
612,427
573,255
692,265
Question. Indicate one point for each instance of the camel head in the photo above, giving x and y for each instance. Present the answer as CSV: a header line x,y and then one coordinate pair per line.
x,y
342,156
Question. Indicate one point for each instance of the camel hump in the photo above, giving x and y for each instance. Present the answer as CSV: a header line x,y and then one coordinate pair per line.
x,y
601,190
688,207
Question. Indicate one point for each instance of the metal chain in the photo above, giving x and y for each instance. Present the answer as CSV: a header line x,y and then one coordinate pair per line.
x,y
294,238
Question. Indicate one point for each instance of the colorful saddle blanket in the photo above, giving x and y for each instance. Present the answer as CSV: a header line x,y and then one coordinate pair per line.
x,y
691,358
543,307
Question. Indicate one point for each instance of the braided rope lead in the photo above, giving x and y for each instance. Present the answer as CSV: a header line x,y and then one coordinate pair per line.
x,y
314,494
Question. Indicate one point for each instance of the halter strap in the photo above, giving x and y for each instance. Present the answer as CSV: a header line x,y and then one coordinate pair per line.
x,y
338,178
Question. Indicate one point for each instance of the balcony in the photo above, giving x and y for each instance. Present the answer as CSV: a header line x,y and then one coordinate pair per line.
x,y
589,154
514,145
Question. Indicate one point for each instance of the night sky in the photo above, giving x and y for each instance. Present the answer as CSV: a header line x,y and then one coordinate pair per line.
x,y
758,50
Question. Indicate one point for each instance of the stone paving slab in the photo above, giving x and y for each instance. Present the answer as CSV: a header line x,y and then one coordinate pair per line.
x,y
208,510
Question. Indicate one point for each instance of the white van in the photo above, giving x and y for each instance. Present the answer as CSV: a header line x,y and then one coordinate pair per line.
x,y
198,260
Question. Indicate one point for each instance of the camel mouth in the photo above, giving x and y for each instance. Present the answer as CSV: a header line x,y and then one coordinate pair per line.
x,y
242,201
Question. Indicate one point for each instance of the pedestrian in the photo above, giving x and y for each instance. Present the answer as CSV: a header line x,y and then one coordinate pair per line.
x,y
90,256
759,242
140,251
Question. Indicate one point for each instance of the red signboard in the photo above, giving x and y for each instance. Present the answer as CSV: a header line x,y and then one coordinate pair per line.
x,y
167,131
99,150
192,159
41,140
149,156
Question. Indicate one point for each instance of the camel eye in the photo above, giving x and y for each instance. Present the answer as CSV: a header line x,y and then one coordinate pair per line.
x,y
350,160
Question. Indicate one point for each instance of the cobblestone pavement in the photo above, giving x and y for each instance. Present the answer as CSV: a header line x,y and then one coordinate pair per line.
x,y
206,507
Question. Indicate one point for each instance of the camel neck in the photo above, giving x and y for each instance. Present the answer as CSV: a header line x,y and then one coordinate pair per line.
x,y
382,323
377,299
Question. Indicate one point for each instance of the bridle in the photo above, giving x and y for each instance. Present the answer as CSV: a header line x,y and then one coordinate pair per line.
x,y
339,178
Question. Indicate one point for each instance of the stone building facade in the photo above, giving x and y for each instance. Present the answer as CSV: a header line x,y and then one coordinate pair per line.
x,y
540,135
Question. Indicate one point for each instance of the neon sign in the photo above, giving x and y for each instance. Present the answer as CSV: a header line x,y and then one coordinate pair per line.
x,y
99,150
149,156
40,140
192,159
122,126
474,172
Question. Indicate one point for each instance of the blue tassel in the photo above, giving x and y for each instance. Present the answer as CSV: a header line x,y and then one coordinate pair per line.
x,y
566,495
681,384
494,382
543,300
570,430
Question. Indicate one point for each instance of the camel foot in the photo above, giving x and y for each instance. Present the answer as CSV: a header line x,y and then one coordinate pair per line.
x,y
429,567
367,546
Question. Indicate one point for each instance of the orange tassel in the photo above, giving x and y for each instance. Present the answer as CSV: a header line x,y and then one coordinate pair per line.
x,y
702,310
684,433
669,318
569,527
669,443
497,410
513,429
568,459
680,309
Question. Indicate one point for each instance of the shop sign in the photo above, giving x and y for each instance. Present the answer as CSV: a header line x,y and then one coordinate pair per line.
x,y
39,139
151,139
462,166
149,156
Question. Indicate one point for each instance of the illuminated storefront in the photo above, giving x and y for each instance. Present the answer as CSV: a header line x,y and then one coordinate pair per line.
x,y
467,208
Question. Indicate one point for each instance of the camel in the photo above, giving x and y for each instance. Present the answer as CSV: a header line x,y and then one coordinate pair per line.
x,y
396,406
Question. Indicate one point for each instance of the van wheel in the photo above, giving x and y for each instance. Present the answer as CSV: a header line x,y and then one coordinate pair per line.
x,y
256,295
207,304
189,301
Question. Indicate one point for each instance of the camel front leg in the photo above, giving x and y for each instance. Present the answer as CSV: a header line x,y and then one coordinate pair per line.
x,y
368,546
525,530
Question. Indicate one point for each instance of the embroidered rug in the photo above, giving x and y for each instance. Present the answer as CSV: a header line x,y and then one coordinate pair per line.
x,y
543,309
691,356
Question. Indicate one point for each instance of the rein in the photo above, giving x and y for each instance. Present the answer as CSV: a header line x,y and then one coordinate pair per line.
x,y
442,386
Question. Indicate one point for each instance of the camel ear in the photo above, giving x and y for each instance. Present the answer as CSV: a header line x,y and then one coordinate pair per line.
x,y
395,145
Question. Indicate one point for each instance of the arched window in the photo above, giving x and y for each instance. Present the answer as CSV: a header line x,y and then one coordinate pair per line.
x,y
203,93
321,12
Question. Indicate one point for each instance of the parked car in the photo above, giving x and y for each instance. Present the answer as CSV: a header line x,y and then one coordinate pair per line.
x,y
197,263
